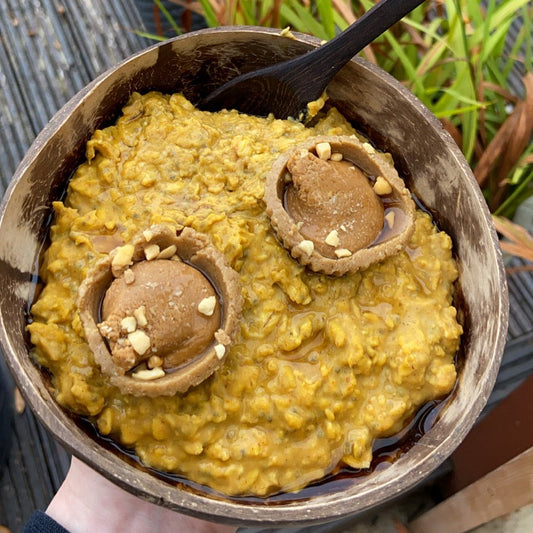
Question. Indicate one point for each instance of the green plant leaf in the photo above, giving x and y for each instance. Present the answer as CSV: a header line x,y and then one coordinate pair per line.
x,y
209,13
406,63
152,36
340,22
325,10
168,16
301,19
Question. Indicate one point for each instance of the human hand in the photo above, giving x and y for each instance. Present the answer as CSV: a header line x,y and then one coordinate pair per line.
x,y
88,502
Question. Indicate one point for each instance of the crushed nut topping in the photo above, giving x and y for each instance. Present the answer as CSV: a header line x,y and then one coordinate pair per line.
x,y
151,252
168,252
154,361
149,375
129,276
306,247
342,252
140,316
128,324
323,150
333,238
368,148
139,341
207,306
382,186
148,235
220,350
390,218
123,257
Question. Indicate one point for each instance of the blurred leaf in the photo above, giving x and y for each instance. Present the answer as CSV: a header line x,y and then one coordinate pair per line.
x,y
345,10
301,19
168,16
520,241
521,182
209,13
511,140
325,11
151,36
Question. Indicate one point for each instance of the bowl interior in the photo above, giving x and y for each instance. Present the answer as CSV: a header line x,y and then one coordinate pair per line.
x,y
379,107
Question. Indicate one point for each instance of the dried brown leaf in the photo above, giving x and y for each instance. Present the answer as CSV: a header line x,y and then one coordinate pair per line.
x,y
453,131
370,54
510,141
527,160
522,135
496,147
345,9
498,89
427,60
415,37
516,250
194,7
520,241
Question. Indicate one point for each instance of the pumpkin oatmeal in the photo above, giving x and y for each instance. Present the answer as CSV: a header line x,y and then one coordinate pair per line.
x,y
319,367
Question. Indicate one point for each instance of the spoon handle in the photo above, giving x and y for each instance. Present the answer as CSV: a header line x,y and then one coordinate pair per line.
x,y
285,89
333,55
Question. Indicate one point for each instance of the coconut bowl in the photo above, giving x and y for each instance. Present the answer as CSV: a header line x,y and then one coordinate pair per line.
x,y
380,108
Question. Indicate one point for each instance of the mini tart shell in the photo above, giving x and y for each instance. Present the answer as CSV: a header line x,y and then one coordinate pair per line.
x,y
194,248
372,164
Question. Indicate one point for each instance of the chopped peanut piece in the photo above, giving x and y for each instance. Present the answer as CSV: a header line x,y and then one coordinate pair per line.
x,y
306,247
123,256
369,149
154,361
342,252
151,252
168,252
333,238
390,217
382,186
129,276
323,150
207,306
336,156
140,341
149,375
140,315
220,350
148,235
128,324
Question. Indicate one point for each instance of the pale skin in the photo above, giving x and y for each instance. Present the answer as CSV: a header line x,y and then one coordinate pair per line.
x,y
88,502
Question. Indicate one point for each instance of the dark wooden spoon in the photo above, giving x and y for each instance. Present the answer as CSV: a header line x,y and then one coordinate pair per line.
x,y
285,89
